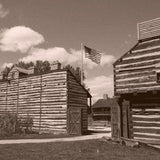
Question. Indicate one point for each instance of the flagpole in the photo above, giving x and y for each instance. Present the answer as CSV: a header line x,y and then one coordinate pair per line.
x,y
82,63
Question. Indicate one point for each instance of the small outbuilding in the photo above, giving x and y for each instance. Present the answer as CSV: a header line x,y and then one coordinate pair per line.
x,y
101,109
137,87
56,101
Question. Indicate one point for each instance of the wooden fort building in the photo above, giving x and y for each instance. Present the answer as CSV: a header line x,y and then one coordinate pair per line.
x,y
56,101
137,87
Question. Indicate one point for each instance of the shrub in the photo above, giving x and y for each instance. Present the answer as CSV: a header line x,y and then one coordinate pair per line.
x,y
10,123
25,124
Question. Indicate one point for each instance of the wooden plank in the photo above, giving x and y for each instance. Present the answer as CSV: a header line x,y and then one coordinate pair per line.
x,y
144,124
146,112
147,130
149,28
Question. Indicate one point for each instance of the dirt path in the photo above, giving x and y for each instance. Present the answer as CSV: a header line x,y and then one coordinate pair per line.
x,y
78,138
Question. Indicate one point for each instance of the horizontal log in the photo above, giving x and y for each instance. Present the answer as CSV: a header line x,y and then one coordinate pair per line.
x,y
145,112
152,53
148,140
137,89
144,78
150,105
135,80
143,124
147,130
144,61
76,95
130,61
136,65
146,135
136,85
49,103
132,74
146,119
58,74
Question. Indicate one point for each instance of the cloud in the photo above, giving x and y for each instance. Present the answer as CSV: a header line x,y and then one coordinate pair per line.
x,y
19,38
107,59
50,54
3,12
7,65
73,57
100,85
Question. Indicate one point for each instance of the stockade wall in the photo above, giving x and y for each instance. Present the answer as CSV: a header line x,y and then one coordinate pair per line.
x,y
43,97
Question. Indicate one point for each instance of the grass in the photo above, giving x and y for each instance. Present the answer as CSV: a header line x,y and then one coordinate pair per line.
x,y
34,136
82,150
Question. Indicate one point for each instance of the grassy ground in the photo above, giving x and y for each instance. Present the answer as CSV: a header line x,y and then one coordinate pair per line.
x,y
34,136
82,150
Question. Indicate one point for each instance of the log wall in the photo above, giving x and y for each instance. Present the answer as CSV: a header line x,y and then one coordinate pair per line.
x,y
137,70
77,97
43,97
145,119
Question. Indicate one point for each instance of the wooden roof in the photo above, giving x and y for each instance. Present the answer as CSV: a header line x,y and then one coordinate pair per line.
x,y
141,46
19,69
104,103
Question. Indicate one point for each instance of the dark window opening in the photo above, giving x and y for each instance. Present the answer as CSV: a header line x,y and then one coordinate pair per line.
x,y
158,77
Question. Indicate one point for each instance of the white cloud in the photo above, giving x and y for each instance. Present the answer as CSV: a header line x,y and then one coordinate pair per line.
x,y
7,65
107,59
3,12
73,57
51,54
19,38
100,85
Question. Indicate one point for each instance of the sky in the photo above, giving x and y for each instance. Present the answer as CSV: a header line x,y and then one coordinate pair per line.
x,y
51,30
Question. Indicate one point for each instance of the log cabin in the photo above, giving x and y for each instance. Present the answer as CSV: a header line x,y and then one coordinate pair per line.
x,y
56,101
137,87
101,109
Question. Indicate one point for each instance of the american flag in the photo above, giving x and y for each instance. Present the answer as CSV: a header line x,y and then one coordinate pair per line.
x,y
92,54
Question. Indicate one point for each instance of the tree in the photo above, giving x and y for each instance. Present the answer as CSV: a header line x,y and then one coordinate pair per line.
x,y
44,67
40,66
75,71
24,65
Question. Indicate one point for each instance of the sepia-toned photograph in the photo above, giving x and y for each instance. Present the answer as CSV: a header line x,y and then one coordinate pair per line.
x,y
79,80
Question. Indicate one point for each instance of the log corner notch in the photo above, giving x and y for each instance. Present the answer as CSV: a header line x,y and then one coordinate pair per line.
x,y
46,98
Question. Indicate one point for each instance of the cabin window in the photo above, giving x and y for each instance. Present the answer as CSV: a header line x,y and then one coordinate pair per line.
x,y
158,77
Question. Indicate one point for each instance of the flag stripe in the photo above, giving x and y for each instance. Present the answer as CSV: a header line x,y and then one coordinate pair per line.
x,y
92,54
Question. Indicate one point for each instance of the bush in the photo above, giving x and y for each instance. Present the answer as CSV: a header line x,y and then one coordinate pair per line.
x,y
10,123
25,124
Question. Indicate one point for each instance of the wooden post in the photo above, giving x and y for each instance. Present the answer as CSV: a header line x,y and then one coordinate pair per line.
x,y
115,121
17,95
40,116
125,119
82,63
